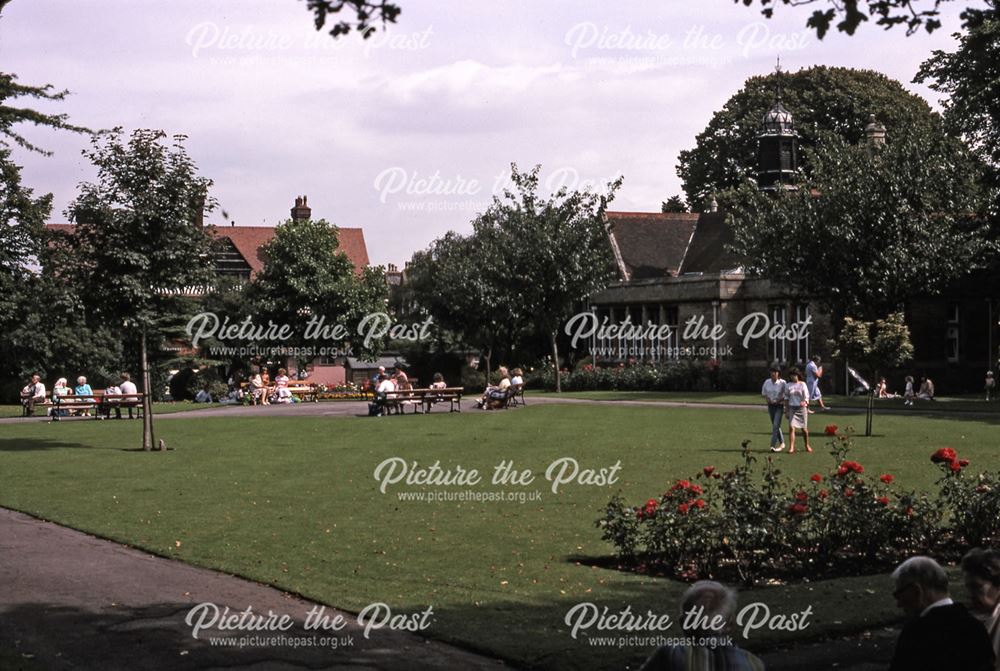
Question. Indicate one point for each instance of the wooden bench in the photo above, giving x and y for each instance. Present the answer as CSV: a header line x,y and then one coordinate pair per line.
x,y
422,399
516,392
45,403
101,403
305,392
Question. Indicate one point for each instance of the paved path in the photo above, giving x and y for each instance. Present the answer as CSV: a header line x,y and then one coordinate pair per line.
x,y
72,601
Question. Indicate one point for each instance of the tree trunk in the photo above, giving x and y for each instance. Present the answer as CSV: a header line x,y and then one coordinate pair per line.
x,y
555,360
870,411
147,399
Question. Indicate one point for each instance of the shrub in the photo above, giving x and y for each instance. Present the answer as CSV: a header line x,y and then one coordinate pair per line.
x,y
750,523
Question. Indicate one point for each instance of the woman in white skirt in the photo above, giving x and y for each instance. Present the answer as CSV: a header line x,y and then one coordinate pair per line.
x,y
797,408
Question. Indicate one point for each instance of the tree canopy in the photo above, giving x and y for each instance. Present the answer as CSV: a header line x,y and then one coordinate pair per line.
x,y
868,229
849,14
821,99
367,13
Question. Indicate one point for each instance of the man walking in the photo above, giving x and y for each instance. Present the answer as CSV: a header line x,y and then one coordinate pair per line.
x,y
774,392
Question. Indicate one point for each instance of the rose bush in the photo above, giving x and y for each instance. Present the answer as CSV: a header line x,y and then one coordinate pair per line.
x,y
752,523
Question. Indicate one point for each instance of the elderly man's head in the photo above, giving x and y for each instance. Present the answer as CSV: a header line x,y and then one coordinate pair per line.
x,y
982,578
714,607
920,581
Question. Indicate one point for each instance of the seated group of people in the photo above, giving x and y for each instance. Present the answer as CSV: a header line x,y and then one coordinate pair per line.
x,y
385,385
939,633
495,396
63,397
265,392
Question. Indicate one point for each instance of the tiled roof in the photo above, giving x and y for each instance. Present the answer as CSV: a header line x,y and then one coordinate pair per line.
x,y
249,239
650,245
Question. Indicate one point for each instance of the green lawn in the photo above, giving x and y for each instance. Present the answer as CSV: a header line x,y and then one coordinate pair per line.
x,y
158,408
964,403
292,501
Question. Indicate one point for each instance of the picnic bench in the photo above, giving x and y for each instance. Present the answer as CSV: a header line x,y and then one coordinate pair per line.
x,y
421,399
100,402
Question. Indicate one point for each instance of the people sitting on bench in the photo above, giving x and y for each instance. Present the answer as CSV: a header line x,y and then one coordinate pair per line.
x,y
33,394
128,387
385,387
59,392
495,396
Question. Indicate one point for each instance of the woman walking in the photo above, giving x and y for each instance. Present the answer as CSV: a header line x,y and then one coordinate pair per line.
x,y
797,407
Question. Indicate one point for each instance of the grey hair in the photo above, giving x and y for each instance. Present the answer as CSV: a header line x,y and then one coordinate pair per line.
x,y
923,571
715,599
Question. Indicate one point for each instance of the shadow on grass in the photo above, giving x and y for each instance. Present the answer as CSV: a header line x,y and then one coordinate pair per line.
x,y
29,444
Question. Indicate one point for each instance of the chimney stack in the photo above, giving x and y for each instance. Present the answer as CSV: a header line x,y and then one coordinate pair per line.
x,y
875,133
301,211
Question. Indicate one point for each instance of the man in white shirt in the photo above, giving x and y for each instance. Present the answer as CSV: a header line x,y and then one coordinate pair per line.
x,y
774,392
128,387
32,394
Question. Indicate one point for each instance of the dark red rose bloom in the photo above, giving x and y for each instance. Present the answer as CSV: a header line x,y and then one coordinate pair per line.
x,y
682,484
823,493
850,467
798,508
887,479
708,470
699,503
909,511
884,500
955,466
801,496
682,508
945,455
848,493
830,430
963,462
695,489
816,477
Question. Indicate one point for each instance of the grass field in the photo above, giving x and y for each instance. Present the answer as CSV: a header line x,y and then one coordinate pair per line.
x,y
293,502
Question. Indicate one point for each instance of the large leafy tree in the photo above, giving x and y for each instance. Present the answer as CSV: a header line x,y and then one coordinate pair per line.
x,y
139,241
821,100
869,229
970,76
367,15
554,250
307,276
849,14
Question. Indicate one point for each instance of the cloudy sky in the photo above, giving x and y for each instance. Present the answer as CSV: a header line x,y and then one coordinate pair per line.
x,y
409,134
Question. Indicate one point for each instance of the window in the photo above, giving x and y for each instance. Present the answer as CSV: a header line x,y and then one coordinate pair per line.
x,y
802,315
776,350
672,319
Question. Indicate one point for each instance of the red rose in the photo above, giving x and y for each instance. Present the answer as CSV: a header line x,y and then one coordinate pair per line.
x,y
884,500
695,489
639,514
682,484
944,456
823,493
963,462
798,508
887,479
816,477
848,493
955,466
909,511
682,508
708,470
652,503
801,496
842,471
830,430
700,503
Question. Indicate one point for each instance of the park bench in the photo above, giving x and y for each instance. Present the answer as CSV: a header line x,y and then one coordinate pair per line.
x,y
422,399
305,391
100,402
516,392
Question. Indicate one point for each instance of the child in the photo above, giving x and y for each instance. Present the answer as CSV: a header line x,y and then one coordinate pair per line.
x,y
908,394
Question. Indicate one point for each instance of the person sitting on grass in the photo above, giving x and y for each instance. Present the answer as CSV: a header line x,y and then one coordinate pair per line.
x,y
203,396
882,389
926,392
83,389
710,647
797,409
908,393
941,634
32,395
494,396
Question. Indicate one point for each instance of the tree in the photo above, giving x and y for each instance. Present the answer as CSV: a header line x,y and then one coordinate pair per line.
x,y
876,348
674,204
365,11
139,238
869,229
821,99
306,276
555,250
849,14
970,76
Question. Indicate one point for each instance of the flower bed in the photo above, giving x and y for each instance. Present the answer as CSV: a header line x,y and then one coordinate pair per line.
x,y
751,524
